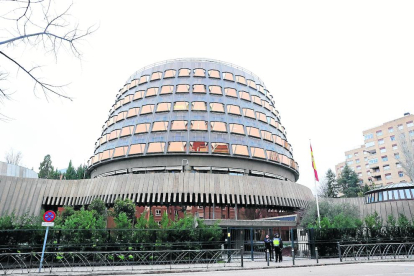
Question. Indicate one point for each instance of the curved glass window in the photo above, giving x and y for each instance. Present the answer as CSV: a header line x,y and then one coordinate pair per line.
x,y
179,125
241,79
247,112
151,92
199,88
237,129
230,92
251,83
181,106
183,88
142,128
147,109
228,76
138,95
118,104
132,112
220,148
143,79
121,116
111,121
103,139
127,99
261,117
267,135
214,74
136,149
169,74
163,107
233,109
126,131
266,105
199,147
244,95
177,147
273,156
114,134
240,150
285,160
133,83
199,106
217,107
257,100
120,151
166,89
199,125
218,126
199,72
261,89
160,126
271,122
106,154
156,147
258,152
215,90
279,140
184,72
156,76
254,132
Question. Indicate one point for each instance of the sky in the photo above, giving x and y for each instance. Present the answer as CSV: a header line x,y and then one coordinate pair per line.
x,y
335,68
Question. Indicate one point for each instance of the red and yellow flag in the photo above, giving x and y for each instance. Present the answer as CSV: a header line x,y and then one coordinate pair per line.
x,y
313,165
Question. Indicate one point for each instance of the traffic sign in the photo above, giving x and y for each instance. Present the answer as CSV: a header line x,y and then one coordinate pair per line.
x,y
49,216
51,224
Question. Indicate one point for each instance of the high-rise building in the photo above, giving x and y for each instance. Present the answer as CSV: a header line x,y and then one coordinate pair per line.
x,y
377,162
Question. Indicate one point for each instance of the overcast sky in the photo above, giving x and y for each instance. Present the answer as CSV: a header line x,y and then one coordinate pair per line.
x,y
334,68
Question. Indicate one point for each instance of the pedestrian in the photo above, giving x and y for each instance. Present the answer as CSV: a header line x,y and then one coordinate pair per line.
x,y
278,245
268,247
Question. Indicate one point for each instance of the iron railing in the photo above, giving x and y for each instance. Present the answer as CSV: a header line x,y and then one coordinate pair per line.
x,y
376,251
120,260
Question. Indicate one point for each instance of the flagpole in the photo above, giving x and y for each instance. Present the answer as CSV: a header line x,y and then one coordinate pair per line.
x,y
316,189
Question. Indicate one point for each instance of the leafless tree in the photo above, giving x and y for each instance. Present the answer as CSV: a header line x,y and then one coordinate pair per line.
x,y
42,25
406,160
13,157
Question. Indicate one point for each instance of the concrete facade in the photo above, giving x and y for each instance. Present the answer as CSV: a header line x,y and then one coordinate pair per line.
x,y
20,195
377,161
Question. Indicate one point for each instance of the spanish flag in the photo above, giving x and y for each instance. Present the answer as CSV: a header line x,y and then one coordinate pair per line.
x,y
313,165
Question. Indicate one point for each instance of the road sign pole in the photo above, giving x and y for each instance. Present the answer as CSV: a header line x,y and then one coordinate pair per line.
x,y
43,250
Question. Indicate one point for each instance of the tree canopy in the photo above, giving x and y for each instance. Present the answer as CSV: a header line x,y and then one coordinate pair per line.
x,y
349,183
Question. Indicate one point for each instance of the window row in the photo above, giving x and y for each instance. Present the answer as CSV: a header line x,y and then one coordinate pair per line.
x,y
198,72
380,196
196,88
181,125
194,106
193,147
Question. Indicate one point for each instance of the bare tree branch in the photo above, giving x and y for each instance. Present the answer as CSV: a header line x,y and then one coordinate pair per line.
x,y
37,25
13,157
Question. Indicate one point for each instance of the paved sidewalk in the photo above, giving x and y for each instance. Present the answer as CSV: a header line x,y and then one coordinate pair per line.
x,y
163,269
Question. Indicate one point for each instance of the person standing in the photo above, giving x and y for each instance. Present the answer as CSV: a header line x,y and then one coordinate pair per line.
x,y
268,247
278,245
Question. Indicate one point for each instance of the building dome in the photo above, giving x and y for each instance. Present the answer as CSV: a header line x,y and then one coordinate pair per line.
x,y
194,114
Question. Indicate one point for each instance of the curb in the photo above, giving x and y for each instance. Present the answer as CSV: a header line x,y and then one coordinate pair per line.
x,y
165,271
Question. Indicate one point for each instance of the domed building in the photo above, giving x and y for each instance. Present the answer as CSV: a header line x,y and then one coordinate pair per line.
x,y
196,115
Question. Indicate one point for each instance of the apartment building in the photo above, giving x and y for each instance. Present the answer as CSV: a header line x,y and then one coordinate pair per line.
x,y
377,162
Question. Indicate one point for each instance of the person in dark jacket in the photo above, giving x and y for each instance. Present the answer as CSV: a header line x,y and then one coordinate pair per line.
x,y
268,247
278,245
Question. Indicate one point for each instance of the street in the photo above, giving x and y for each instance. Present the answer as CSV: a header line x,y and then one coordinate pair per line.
x,y
364,269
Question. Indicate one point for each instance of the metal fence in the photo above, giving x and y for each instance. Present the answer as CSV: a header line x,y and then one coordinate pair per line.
x,y
376,251
120,260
